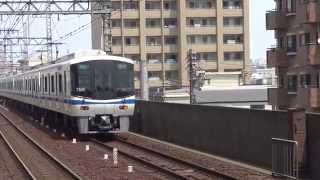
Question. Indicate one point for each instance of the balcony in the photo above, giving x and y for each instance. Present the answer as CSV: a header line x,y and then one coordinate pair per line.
x,y
303,98
276,20
308,55
278,97
314,54
201,12
276,57
308,12
314,97
198,29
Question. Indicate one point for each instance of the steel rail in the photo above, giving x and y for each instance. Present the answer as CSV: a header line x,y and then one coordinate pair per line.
x,y
159,167
18,158
42,149
195,166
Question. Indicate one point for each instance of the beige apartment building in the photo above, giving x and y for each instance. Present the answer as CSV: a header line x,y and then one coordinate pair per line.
x,y
296,55
162,31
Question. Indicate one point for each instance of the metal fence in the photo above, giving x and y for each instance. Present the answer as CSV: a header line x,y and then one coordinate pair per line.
x,y
285,158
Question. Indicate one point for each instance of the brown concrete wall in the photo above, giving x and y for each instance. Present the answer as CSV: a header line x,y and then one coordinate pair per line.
x,y
313,145
239,134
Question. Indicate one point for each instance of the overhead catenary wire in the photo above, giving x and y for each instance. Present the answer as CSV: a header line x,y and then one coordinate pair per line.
x,y
12,21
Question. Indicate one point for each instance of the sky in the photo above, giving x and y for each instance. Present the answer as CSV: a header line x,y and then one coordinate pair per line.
x,y
260,38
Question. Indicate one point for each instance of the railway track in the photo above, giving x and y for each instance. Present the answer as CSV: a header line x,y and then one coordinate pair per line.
x,y
35,159
174,167
23,170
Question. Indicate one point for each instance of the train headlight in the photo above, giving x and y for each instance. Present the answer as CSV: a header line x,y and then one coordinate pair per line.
x,y
84,108
123,107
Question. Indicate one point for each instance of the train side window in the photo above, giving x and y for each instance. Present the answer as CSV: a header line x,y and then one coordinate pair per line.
x,y
52,83
45,84
49,84
56,83
30,85
33,85
60,84
42,84
65,82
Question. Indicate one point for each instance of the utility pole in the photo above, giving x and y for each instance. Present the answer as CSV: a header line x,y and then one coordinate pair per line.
x,y
144,85
192,75
106,28
49,37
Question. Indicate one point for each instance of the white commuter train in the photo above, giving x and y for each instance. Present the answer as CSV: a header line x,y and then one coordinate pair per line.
x,y
83,93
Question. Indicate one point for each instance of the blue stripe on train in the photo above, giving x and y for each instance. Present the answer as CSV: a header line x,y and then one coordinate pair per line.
x,y
84,102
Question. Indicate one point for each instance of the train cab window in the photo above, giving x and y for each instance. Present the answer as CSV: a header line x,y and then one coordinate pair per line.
x,y
102,80
52,83
60,83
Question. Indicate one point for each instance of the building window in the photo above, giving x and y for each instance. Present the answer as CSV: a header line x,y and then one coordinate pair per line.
x,y
116,23
196,4
232,21
279,5
154,75
201,39
172,75
154,58
291,43
116,41
233,56
136,76
207,56
280,42
132,41
170,40
201,21
233,38
135,57
291,6
292,83
153,41
281,81
153,23
131,23
304,39
171,58
116,5
305,80
170,22
130,5
152,5
318,80
170,5
232,4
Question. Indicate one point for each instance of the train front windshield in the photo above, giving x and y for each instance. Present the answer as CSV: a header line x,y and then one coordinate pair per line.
x,y
102,80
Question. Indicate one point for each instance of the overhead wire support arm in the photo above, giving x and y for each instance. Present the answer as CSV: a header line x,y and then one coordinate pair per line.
x,y
61,7
65,7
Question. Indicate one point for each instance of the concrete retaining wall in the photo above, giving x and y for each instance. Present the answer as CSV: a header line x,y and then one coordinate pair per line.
x,y
239,134
313,145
